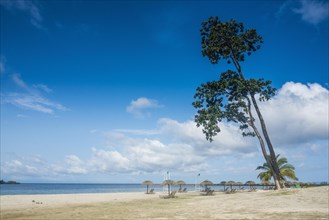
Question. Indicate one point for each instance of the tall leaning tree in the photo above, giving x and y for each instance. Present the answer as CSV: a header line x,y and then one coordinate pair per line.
x,y
231,42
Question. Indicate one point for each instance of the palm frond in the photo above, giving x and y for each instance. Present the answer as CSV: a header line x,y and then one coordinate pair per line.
x,y
286,169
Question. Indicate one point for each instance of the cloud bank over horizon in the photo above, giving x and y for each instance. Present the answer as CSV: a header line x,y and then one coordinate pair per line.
x,y
297,118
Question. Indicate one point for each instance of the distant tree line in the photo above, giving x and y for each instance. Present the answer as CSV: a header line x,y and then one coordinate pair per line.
x,y
8,182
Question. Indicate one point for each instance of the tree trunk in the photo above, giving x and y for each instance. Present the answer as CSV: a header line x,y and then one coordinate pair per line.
x,y
273,162
268,142
262,145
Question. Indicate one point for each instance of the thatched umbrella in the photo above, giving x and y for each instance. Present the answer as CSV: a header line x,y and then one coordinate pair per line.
x,y
169,183
206,183
230,183
250,183
180,183
223,183
266,183
239,184
147,183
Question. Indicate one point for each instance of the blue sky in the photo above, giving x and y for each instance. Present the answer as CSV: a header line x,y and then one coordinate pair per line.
x,y
101,91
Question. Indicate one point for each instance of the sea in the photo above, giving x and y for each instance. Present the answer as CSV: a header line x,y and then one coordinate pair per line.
x,y
78,188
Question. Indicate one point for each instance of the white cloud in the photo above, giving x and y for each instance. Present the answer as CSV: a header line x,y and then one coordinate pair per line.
x,y
227,141
298,114
31,98
152,154
32,102
186,148
35,166
108,161
18,81
17,167
138,107
138,132
75,165
313,11
43,87
28,7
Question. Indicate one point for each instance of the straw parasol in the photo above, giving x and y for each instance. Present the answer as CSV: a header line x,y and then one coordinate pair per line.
x,y
147,183
223,183
250,182
230,183
239,184
206,183
266,183
169,183
180,183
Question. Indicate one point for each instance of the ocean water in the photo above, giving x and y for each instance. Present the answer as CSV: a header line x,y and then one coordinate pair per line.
x,y
71,188
62,188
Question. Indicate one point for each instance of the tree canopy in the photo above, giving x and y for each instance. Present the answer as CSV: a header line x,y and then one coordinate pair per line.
x,y
226,99
225,40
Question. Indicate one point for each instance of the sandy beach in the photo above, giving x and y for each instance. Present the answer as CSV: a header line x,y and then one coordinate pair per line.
x,y
309,203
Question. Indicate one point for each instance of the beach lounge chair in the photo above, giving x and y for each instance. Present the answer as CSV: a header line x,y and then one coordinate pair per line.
x,y
252,190
207,193
170,196
231,191
182,190
150,192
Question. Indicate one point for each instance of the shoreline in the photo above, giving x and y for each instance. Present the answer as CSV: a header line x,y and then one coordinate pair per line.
x,y
306,203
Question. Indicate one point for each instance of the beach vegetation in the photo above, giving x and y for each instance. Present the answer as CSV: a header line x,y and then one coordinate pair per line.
x,y
286,170
8,182
232,97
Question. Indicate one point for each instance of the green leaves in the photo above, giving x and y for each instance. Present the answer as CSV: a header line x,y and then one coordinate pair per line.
x,y
225,40
286,169
261,87
209,102
226,100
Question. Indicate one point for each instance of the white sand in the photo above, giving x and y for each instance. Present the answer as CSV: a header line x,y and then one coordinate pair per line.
x,y
53,200
310,203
